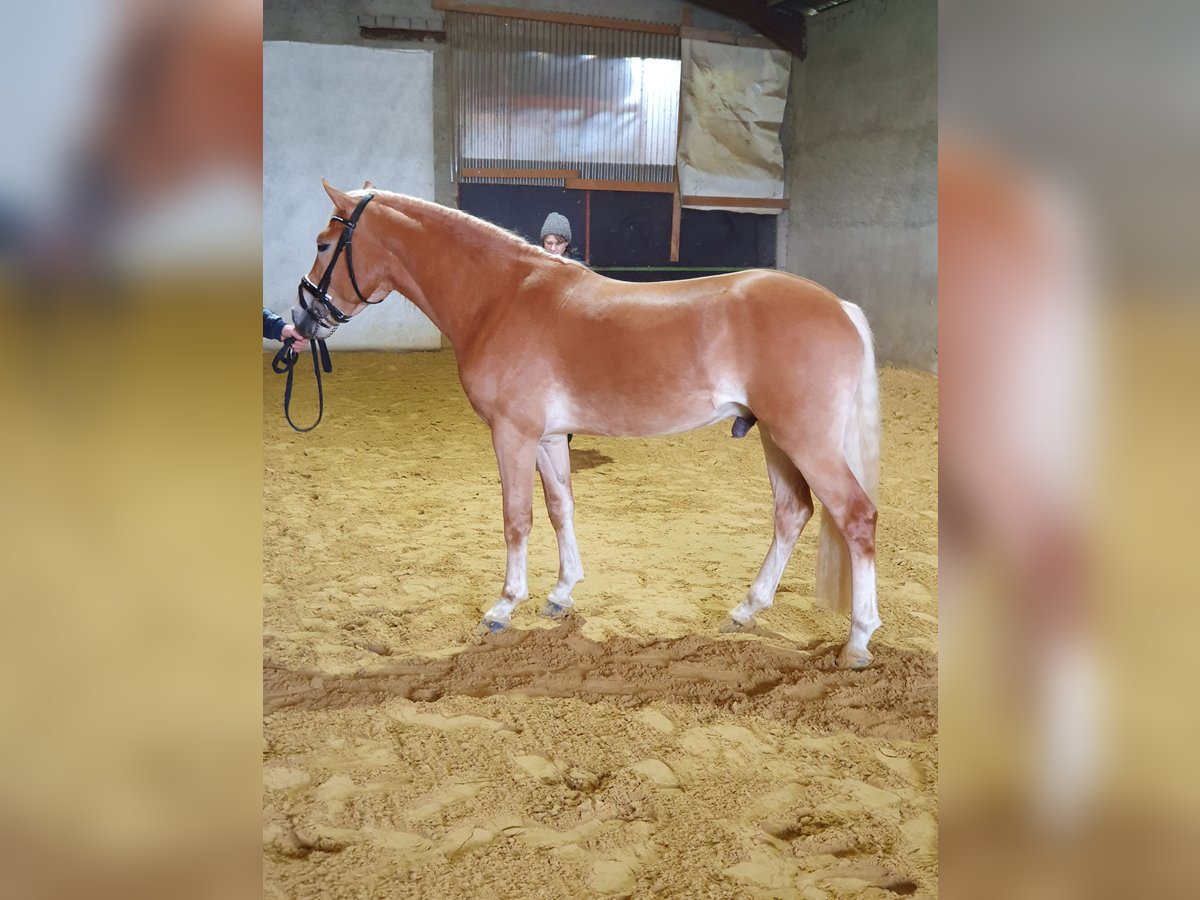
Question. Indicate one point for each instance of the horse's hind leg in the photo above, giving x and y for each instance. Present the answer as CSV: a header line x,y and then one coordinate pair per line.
x,y
793,509
853,513
515,457
554,465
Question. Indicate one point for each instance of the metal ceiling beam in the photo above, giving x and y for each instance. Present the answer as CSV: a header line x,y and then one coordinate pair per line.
x,y
789,32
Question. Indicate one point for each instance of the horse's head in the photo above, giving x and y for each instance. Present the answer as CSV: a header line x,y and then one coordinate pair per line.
x,y
335,288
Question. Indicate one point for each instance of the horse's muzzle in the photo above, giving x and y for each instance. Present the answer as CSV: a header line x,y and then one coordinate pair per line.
x,y
309,325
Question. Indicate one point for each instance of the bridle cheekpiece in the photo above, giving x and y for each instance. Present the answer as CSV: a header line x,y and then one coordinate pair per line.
x,y
320,292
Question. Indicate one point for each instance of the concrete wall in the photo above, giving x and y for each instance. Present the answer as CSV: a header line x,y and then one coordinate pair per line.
x,y
337,23
860,145
341,113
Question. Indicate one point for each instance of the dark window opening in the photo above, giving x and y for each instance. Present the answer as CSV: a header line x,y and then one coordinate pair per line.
x,y
627,234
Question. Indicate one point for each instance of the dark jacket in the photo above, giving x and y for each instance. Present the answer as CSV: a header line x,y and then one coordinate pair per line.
x,y
272,325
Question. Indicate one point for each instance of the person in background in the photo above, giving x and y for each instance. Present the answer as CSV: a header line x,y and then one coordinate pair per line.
x,y
276,329
556,237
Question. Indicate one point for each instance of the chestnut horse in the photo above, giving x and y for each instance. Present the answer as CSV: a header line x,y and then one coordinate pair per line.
x,y
546,347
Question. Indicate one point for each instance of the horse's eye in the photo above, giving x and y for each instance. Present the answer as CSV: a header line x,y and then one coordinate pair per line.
x,y
321,248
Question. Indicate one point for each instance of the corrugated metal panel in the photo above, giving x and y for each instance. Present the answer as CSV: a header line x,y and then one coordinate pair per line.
x,y
542,95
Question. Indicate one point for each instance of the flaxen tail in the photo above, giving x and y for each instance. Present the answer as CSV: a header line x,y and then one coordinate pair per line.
x,y
861,446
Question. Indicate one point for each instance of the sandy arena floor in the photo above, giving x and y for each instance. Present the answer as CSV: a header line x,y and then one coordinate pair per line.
x,y
632,751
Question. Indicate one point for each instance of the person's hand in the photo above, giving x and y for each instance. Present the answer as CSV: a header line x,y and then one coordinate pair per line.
x,y
289,331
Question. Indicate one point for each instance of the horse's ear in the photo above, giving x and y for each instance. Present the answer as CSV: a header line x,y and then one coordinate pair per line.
x,y
368,185
341,200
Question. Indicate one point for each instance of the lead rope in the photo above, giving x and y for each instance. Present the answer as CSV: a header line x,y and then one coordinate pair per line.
x,y
285,361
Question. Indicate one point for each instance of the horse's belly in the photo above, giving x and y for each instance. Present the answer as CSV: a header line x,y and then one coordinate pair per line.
x,y
614,417
675,425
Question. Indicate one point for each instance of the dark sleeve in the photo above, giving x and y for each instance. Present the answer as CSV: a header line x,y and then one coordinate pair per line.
x,y
272,325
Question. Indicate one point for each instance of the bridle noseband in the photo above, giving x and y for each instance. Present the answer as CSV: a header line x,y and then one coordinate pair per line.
x,y
320,292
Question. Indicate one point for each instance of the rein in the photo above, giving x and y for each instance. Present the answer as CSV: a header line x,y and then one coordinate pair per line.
x,y
285,361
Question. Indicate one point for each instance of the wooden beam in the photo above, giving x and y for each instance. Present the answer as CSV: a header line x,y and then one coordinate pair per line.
x,y
519,173
676,200
748,202
587,228
401,34
726,37
561,18
595,184
676,213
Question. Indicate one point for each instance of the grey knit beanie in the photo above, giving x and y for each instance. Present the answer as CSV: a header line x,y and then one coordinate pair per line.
x,y
556,223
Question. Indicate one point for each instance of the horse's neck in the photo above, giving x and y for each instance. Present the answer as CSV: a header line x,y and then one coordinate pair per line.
x,y
455,285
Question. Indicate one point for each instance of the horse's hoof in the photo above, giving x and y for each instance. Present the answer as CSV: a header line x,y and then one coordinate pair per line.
x,y
733,626
552,610
855,660
487,627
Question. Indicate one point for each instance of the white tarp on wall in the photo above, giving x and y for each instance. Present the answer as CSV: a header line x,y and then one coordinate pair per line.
x,y
732,102
347,114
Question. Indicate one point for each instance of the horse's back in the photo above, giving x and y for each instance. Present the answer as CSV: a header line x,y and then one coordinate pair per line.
x,y
777,295
712,323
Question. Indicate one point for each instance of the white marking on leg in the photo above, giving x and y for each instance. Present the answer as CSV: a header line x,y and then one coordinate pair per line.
x,y
762,591
554,462
516,586
793,509
864,610
515,456
570,568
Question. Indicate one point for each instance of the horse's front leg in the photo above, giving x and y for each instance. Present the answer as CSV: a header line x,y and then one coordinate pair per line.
x,y
554,465
515,453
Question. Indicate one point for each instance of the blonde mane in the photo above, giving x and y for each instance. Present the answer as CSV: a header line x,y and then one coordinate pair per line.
x,y
506,242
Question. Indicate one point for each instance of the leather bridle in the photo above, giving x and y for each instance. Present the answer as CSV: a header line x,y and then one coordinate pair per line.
x,y
320,292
